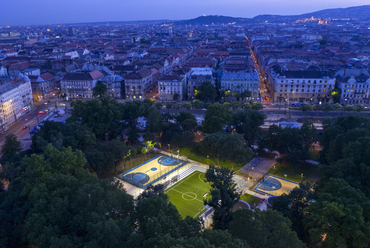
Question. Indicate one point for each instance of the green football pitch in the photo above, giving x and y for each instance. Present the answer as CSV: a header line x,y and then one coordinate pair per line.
x,y
185,196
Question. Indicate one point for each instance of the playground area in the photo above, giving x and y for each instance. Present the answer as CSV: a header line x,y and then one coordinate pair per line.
x,y
152,170
275,186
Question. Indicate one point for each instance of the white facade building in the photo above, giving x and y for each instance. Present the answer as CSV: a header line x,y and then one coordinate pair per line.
x,y
16,99
302,86
169,85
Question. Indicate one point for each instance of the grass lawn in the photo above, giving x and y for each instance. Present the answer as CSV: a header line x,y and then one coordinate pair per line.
x,y
294,171
187,151
314,155
185,196
251,199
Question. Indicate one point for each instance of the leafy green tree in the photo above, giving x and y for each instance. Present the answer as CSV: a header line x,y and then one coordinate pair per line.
x,y
187,105
227,105
248,122
169,105
100,160
206,91
336,95
102,116
235,105
177,105
264,229
187,121
236,95
224,195
149,102
132,110
78,211
328,107
100,89
293,143
158,105
348,108
337,106
246,94
216,117
154,121
358,108
257,106
197,104
176,97
305,107
293,206
11,148
119,149
339,217
246,105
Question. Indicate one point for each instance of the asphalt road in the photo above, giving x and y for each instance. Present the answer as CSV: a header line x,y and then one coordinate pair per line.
x,y
29,120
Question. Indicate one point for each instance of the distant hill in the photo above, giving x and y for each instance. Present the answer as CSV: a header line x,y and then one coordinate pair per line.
x,y
209,19
362,12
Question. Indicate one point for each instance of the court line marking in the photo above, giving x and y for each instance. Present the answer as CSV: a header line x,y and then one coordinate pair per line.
x,y
198,213
183,180
189,194
201,179
185,194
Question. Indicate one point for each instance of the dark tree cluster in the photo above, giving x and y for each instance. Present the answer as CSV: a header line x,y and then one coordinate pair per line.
x,y
335,211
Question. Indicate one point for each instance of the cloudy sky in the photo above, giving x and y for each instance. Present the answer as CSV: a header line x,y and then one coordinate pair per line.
x,y
30,12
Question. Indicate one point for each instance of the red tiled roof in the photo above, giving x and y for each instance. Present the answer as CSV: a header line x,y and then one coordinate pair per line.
x,y
46,76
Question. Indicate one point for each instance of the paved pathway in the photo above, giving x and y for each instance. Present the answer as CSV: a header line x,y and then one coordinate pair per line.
x,y
257,167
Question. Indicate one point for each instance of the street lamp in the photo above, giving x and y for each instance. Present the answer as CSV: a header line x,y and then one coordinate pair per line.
x,y
207,159
301,177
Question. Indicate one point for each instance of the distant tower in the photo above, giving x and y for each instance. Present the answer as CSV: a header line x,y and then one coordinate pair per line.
x,y
170,29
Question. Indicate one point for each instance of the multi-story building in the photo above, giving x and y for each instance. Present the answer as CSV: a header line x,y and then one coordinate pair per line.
x,y
138,83
196,77
114,85
302,86
240,82
169,85
16,99
44,86
80,84
355,86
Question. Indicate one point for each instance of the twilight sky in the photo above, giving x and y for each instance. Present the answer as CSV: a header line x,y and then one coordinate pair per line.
x,y
30,12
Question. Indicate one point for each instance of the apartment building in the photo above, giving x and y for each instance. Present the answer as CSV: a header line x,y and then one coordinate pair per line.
x,y
16,99
302,86
138,83
196,77
79,85
240,82
169,85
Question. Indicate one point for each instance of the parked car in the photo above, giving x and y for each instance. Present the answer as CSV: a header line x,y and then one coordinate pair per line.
x,y
24,127
6,129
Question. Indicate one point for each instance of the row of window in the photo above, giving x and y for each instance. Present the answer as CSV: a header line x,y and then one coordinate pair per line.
x,y
302,90
304,81
302,86
356,86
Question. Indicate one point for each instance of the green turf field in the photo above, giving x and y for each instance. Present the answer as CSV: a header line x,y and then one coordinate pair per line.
x,y
185,197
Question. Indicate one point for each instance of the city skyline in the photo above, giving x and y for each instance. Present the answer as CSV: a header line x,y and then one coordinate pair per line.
x,y
80,11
